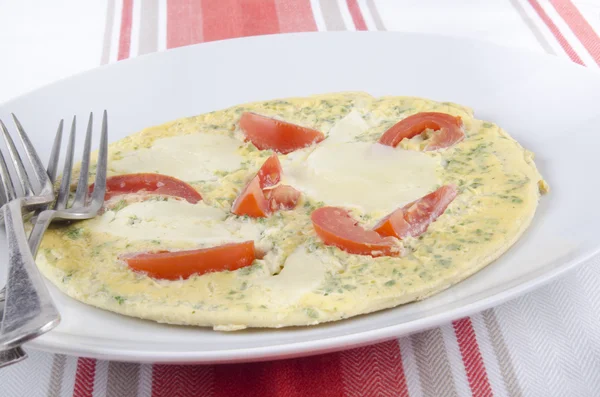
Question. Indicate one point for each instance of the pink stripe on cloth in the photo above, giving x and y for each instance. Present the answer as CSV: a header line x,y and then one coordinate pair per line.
x,y
227,19
125,36
184,23
369,371
182,380
375,370
258,18
578,24
556,32
469,349
357,17
84,377
317,376
295,16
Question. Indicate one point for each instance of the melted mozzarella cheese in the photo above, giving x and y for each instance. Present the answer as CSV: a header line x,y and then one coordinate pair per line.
x,y
175,220
371,177
347,128
303,272
191,157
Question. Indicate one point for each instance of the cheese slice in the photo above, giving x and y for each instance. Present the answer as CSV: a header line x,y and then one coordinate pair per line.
x,y
194,157
303,272
367,176
175,220
347,129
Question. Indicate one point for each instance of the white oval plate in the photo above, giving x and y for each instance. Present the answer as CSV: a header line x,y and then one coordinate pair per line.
x,y
551,106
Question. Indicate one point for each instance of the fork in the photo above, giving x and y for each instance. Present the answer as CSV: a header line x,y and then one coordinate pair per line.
x,y
28,300
17,354
85,204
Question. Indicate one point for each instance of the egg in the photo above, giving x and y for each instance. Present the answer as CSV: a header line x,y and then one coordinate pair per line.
x,y
299,280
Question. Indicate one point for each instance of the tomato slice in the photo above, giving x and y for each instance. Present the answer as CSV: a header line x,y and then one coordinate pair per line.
x,y
282,197
270,172
182,264
449,130
280,136
252,201
149,183
414,218
257,200
336,227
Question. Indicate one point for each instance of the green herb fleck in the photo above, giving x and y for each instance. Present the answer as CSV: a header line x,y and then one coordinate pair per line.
x,y
445,262
247,270
363,267
74,233
390,283
67,277
312,313
120,205
133,219
120,299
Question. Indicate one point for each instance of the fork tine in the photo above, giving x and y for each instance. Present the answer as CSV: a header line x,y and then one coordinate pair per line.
x,y
101,167
82,186
8,189
38,167
17,161
65,183
55,154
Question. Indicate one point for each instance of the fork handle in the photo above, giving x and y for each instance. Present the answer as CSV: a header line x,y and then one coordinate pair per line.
x,y
12,356
28,311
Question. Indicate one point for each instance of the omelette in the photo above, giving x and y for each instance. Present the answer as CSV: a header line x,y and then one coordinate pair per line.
x,y
296,212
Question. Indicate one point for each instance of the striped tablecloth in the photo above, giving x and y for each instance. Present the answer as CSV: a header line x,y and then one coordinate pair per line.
x,y
544,344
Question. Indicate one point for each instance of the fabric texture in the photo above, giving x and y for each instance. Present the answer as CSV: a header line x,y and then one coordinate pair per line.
x,y
546,343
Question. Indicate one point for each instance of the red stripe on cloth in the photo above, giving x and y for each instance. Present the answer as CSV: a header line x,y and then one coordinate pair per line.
x,y
84,377
220,19
374,370
295,16
357,17
125,35
182,380
318,376
259,17
184,23
557,34
582,29
226,19
471,356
